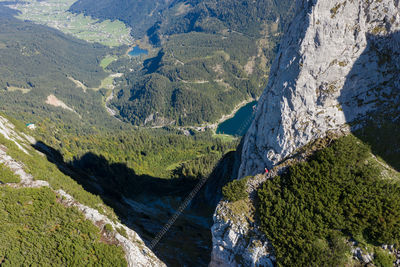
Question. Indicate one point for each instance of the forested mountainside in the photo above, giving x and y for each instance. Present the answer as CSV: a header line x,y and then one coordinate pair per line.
x,y
209,56
178,16
34,57
94,157
83,187
48,218
334,203
47,75
138,14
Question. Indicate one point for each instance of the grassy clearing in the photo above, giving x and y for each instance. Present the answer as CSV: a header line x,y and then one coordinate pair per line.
x,y
54,13
107,83
225,137
7,176
107,61
18,89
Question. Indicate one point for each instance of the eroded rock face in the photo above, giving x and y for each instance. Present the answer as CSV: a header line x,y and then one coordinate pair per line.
x,y
337,62
237,242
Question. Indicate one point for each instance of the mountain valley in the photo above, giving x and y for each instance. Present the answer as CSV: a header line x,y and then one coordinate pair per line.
x,y
199,133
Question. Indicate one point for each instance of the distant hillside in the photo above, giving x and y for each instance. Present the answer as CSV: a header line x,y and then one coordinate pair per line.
x,y
178,16
37,61
211,56
37,56
139,14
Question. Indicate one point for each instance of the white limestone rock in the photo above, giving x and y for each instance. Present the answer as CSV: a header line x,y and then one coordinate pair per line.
x,y
136,252
236,242
337,62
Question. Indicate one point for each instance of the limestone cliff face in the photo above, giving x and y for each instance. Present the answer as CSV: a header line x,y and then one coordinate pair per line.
x,y
236,239
337,62
337,65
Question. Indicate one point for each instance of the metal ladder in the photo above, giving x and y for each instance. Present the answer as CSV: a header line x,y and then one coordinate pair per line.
x,y
178,212
190,197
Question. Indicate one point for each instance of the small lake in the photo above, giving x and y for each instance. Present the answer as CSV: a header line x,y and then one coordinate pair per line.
x,y
240,123
137,51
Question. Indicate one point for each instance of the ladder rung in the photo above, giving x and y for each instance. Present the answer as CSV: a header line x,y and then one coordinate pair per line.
x,y
178,212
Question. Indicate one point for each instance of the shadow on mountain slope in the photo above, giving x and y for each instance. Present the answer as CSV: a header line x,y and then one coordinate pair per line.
x,y
145,204
370,97
225,171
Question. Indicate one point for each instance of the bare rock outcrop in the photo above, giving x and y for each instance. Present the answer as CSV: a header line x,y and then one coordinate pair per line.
x,y
338,64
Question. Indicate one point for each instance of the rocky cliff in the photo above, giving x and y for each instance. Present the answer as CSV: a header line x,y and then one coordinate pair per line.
x,y
237,239
337,65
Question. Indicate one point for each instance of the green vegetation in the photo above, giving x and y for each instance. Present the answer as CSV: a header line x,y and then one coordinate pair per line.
x,y
36,230
107,61
192,83
138,14
210,55
54,13
235,190
106,83
317,205
226,58
149,16
40,61
7,176
38,57
42,169
158,153
383,259
108,228
122,232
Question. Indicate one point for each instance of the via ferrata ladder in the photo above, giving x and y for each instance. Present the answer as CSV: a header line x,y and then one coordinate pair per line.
x,y
190,197
178,212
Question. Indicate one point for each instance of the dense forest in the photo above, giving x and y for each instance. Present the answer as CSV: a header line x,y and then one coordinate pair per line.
x,y
208,56
37,61
341,194
179,16
161,153
34,56
138,14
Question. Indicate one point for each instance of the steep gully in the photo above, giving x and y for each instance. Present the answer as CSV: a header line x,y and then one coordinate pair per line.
x,y
145,204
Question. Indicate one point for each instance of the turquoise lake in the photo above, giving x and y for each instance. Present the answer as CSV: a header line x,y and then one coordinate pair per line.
x,y
240,123
137,51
